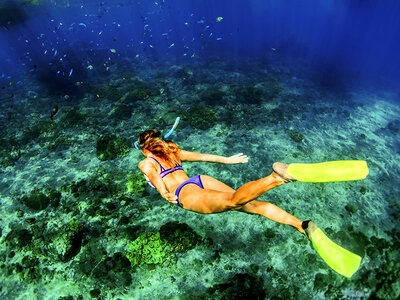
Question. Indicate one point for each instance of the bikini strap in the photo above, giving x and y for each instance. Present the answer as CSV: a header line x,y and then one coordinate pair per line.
x,y
162,169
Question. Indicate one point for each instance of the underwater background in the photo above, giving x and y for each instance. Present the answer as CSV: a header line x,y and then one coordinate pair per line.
x,y
290,81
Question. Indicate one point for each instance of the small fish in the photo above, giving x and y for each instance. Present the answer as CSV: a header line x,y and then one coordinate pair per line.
x,y
151,46
45,52
219,19
137,55
113,50
186,23
70,72
55,53
273,49
82,24
210,34
173,44
90,67
58,72
165,33
30,220
54,112
101,31
218,39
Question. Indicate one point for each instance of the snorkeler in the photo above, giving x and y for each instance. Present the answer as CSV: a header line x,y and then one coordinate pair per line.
x,y
203,194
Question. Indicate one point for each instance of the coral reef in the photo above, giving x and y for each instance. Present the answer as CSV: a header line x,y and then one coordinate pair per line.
x,y
150,249
136,184
250,95
159,247
68,243
212,96
201,117
240,286
111,147
36,201
296,136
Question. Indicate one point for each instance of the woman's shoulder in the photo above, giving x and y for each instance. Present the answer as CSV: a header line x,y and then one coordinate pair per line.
x,y
145,162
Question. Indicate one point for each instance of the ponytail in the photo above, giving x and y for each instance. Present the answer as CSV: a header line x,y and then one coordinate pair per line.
x,y
151,140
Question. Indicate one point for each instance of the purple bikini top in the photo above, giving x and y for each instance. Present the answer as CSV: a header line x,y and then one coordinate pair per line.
x,y
165,172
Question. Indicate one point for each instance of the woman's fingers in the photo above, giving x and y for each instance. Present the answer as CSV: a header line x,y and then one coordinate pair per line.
x,y
170,197
240,158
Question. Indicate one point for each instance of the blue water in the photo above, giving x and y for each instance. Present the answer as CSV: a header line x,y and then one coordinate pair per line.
x,y
354,39
291,81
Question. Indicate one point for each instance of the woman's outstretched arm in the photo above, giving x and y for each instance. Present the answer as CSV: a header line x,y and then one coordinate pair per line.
x,y
193,156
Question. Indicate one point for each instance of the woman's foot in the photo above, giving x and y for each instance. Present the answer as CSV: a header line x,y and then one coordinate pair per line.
x,y
280,169
300,228
309,227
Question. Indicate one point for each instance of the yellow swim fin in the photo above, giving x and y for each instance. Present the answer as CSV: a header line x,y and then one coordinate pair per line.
x,y
342,170
339,259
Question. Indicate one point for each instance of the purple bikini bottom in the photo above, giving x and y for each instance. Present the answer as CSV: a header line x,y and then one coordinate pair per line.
x,y
195,180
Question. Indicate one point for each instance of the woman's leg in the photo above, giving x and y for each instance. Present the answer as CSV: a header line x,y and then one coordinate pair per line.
x,y
262,208
208,200
254,189
272,212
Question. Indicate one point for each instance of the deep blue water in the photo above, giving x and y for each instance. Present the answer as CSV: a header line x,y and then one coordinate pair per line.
x,y
291,81
340,40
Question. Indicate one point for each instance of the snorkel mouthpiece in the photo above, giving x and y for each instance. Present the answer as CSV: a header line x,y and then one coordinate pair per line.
x,y
137,146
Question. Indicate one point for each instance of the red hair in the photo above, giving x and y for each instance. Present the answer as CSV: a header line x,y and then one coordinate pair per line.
x,y
151,140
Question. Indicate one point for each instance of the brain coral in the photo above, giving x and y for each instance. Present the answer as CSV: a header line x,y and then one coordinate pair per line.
x,y
150,249
160,247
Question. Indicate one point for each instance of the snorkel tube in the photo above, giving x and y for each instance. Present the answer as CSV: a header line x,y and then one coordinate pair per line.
x,y
168,133
173,128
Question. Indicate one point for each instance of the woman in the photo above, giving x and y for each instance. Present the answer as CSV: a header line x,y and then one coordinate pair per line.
x,y
162,168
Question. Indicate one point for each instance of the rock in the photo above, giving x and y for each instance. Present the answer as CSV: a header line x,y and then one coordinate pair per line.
x,y
112,147
241,286
296,136
36,201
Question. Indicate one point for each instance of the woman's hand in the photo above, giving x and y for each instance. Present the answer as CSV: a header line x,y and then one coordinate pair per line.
x,y
170,197
238,159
